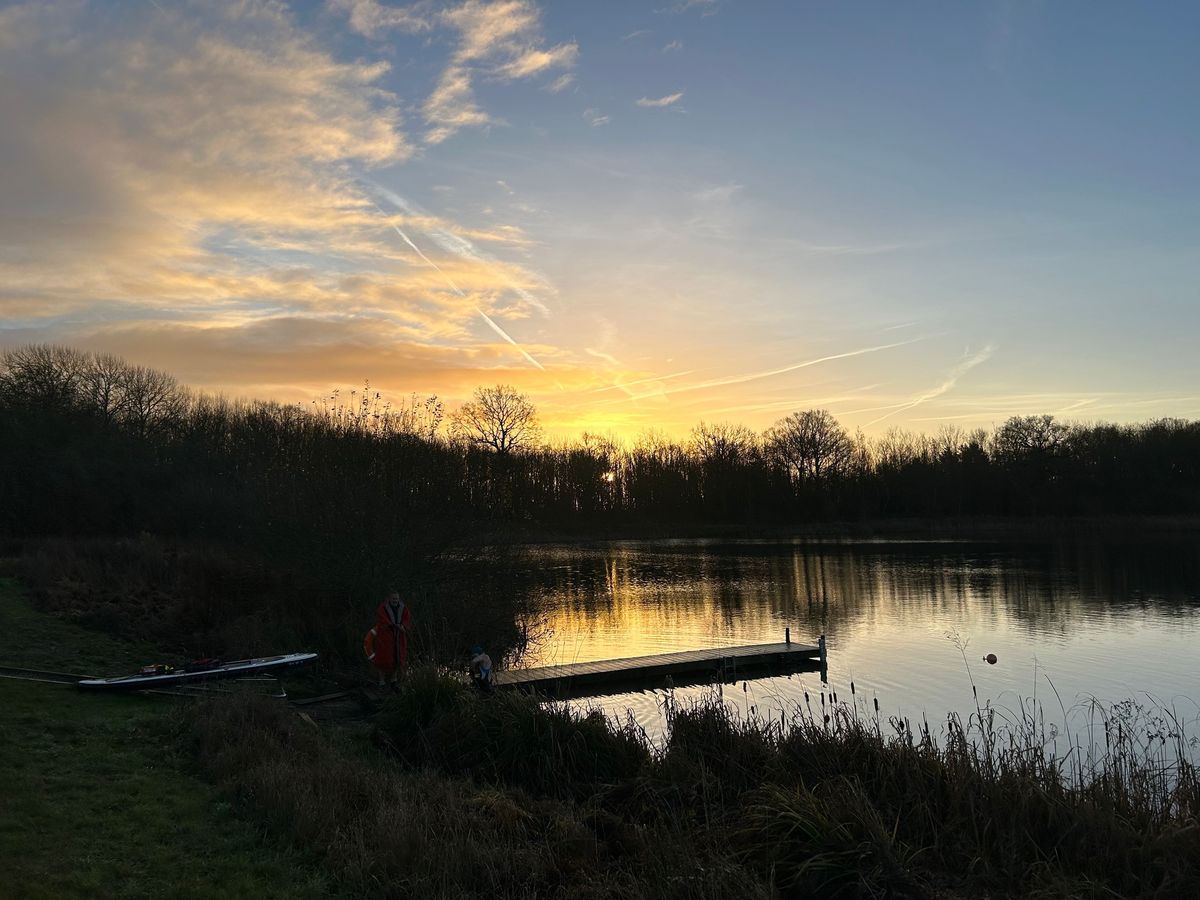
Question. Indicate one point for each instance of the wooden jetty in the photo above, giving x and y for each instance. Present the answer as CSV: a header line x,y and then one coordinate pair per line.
x,y
725,663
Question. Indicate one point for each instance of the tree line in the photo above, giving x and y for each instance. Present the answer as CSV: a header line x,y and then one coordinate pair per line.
x,y
90,444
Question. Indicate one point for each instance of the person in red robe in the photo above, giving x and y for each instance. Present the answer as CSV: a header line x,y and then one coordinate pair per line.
x,y
387,643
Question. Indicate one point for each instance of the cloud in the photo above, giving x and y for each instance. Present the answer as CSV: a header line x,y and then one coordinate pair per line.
x,y
641,32
197,169
561,83
672,47
533,62
371,18
706,7
451,107
500,40
457,244
606,357
594,117
660,102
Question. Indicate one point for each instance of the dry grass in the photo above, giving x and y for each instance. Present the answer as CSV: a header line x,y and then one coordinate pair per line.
x,y
507,797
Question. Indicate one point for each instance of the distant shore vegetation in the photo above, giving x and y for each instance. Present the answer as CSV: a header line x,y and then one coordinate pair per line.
x,y
97,445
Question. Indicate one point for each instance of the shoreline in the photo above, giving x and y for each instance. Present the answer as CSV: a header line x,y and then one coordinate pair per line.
x,y
983,528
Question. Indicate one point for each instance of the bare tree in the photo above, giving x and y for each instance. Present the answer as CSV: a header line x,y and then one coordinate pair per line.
x,y
103,385
498,417
812,445
723,442
43,375
149,398
1024,438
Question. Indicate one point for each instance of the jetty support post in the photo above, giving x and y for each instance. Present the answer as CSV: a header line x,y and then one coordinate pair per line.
x,y
821,649
787,635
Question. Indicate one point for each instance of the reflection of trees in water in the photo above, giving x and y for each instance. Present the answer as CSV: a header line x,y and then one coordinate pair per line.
x,y
829,587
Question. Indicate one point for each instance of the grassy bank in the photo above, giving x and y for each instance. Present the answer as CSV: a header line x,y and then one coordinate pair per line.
x,y
499,796
97,799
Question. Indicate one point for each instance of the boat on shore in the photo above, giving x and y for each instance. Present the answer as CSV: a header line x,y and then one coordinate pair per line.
x,y
160,676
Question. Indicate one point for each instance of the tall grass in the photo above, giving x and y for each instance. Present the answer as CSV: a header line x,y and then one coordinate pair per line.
x,y
837,804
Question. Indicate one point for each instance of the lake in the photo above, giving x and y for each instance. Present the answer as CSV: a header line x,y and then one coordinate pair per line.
x,y
1069,620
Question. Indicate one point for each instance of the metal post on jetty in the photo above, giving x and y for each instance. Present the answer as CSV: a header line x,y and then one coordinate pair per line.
x,y
787,635
821,649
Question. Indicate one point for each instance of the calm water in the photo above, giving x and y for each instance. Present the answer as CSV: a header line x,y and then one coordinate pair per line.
x,y
1106,619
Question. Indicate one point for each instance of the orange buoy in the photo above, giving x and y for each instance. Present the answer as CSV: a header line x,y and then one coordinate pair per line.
x,y
991,659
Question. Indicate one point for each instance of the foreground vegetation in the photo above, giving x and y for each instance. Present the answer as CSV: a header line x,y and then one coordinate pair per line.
x,y
499,796
97,798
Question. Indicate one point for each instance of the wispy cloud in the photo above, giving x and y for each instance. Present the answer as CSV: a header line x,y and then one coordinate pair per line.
x,y
966,364
491,323
600,354
372,18
659,102
704,7
535,61
561,83
458,245
452,107
594,117
641,32
673,47
501,40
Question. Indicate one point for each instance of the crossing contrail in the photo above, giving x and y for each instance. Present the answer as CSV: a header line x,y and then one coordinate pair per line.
x,y
454,287
752,376
459,246
965,365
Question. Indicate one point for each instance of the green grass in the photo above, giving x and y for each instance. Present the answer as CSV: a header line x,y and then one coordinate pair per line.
x,y
97,800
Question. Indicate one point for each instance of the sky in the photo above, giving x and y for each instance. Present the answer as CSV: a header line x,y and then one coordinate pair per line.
x,y
642,214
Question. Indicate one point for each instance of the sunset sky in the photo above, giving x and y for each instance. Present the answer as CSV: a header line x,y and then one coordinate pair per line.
x,y
642,214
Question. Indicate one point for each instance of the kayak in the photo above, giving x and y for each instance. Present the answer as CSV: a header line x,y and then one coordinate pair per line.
x,y
166,676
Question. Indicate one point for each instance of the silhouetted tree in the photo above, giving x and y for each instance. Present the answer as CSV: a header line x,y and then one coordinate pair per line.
x,y
812,445
500,418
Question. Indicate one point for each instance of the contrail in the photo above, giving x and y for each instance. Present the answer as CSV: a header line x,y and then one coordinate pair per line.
x,y
454,287
629,384
504,334
961,369
1077,405
458,245
739,379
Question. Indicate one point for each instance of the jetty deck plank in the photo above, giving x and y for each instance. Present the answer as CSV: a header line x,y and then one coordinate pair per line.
x,y
726,660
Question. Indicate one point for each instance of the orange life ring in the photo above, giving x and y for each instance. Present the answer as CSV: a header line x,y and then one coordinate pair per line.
x,y
369,643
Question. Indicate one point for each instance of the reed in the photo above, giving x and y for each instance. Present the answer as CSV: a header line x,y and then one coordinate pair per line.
x,y
828,805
